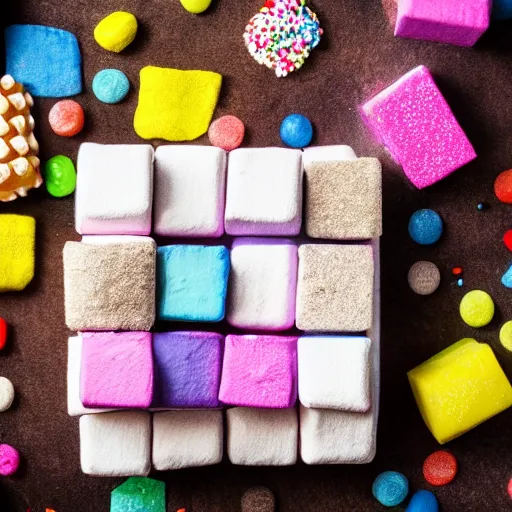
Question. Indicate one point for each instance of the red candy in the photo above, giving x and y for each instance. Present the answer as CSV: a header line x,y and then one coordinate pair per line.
x,y
457,271
3,333
507,238
440,468
503,187
509,488
227,132
67,118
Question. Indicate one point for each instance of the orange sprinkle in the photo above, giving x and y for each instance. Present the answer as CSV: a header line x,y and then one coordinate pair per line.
x,y
457,271
440,468
181,510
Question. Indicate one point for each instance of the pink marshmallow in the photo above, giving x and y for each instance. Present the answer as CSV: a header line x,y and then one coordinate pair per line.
x,y
259,371
459,22
412,119
117,369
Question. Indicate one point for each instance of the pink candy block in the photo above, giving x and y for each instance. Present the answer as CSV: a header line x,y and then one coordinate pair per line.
x,y
412,119
459,22
259,371
117,369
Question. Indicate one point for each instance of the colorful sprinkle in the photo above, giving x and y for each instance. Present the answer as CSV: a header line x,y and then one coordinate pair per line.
x,y
507,238
457,271
482,206
460,282
503,187
440,468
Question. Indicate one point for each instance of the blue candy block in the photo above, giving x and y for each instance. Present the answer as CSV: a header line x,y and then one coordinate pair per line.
x,y
502,9
192,282
423,501
45,60
506,279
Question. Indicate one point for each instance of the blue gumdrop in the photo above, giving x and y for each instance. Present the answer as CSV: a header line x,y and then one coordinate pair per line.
x,y
423,501
506,280
296,131
110,86
390,488
425,227
502,9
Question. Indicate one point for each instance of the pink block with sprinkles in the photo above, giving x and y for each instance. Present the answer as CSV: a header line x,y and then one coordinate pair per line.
x,y
412,119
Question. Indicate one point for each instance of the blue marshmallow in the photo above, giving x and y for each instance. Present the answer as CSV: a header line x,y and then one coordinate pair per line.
x,y
423,501
192,282
110,86
390,488
45,60
425,227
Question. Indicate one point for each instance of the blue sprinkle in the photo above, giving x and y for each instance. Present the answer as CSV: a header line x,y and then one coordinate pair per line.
x,y
506,280
110,86
460,282
390,488
423,501
425,227
296,131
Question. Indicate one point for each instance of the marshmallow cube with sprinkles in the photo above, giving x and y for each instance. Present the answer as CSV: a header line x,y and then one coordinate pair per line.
x,y
282,35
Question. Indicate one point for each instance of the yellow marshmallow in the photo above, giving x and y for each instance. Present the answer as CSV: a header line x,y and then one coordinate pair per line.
x,y
115,32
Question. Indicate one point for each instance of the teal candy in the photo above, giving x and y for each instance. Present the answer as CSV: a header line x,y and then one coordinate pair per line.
x,y
110,86
423,501
192,282
506,279
390,488
138,494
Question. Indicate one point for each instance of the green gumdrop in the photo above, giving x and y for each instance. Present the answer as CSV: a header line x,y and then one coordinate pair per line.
x,y
60,176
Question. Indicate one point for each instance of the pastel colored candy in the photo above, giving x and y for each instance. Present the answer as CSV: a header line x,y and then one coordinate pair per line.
x,y
226,132
60,176
390,488
263,284
9,460
187,369
110,86
17,251
477,308
187,439
423,501
138,494
115,32
116,370
262,437
259,371
264,176
506,278
46,60
6,394
190,191
67,118
460,23
195,6
412,119
116,443
114,190
459,388
192,282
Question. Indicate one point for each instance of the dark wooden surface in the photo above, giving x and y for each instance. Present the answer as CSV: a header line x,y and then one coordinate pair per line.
x,y
357,57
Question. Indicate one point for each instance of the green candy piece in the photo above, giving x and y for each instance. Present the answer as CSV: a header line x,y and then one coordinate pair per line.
x,y
60,176
138,494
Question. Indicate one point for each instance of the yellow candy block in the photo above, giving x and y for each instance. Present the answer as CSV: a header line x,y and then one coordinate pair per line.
x,y
459,388
175,105
17,251
116,31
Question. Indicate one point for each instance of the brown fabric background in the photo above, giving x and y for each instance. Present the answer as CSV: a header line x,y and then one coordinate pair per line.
x,y
357,57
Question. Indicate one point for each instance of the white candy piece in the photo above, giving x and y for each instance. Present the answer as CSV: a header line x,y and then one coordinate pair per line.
x,y
262,284
262,437
116,443
187,439
75,406
6,394
327,154
189,193
114,191
334,372
264,192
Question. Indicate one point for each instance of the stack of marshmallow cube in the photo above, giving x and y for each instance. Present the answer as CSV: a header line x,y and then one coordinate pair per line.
x,y
305,308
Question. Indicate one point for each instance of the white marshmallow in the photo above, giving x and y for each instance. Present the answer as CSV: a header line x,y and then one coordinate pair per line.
x,y
189,191
116,443
327,154
114,191
186,439
264,192
334,372
262,437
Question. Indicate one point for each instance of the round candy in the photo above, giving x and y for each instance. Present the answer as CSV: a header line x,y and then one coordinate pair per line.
x,y
110,86
424,277
258,499
9,460
507,238
390,488
423,501
477,308
506,335
296,131
196,6
226,132
6,394
3,333
440,468
115,32
425,227
67,118
60,176
503,187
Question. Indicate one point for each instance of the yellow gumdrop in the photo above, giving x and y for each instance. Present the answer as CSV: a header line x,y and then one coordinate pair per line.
x,y
477,308
506,335
459,388
195,6
116,31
